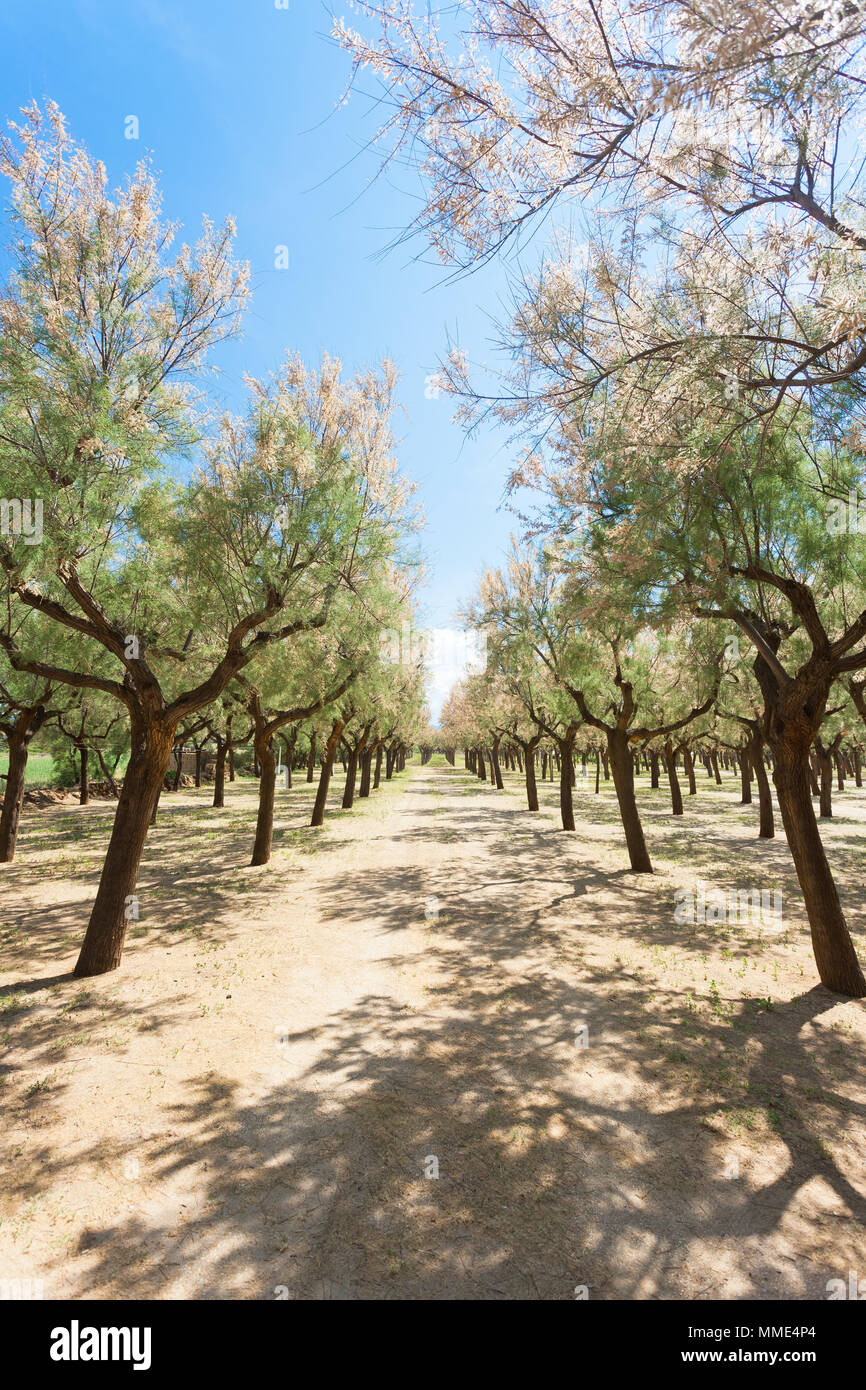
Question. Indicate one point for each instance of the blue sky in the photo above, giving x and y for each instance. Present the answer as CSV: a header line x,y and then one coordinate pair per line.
x,y
238,104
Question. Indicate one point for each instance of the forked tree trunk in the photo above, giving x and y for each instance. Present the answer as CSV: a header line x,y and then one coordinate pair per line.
x,y
102,948
623,781
835,957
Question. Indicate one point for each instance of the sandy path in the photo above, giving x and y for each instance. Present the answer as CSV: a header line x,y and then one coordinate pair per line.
x,y
251,1106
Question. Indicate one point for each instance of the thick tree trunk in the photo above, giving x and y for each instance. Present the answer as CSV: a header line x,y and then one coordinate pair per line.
x,y
328,754
102,949
311,759
378,776
838,967
623,781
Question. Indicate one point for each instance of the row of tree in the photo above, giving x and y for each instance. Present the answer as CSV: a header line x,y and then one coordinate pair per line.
x,y
684,364
167,569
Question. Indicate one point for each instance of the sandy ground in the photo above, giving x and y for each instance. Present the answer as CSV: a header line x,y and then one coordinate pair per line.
x,y
256,1104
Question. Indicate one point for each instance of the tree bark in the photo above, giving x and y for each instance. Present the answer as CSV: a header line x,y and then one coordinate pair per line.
x,y
13,796
151,745
566,802
767,827
328,754
84,779
219,777
267,761
623,781
673,780
836,959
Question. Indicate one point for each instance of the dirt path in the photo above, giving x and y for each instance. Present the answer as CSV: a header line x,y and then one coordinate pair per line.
x,y
253,1102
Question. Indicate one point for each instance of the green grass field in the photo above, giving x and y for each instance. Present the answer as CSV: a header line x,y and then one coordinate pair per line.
x,y
40,769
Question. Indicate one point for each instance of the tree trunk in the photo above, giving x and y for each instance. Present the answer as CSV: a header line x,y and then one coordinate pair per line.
x,y
328,753
84,780
566,803
495,769
378,776
623,781
366,768
673,780
311,760
267,761
835,957
351,773
745,777
689,765
767,828
13,797
102,948
825,794
219,776
529,773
